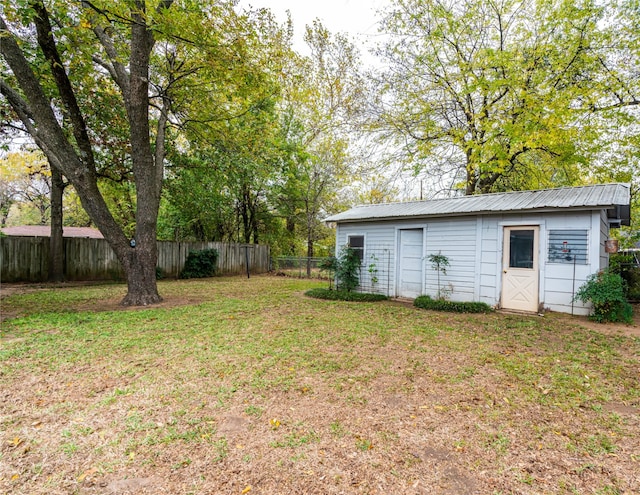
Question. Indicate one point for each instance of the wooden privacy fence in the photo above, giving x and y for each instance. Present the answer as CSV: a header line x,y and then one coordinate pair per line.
x,y
26,259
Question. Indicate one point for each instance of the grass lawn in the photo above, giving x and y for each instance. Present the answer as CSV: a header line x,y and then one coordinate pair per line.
x,y
236,386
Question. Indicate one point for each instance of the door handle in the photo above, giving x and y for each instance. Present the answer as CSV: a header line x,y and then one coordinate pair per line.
x,y
504,271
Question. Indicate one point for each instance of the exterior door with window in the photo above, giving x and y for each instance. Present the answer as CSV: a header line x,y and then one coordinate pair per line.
x,y
520,272
410,263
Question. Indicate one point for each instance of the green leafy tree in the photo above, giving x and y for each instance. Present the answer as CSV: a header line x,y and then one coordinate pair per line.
x,y
36,101
101,87
323,95
25,181
493,96
273,170
220,175
439,263
197,205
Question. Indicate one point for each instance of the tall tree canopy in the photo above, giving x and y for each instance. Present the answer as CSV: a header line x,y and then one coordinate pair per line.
x,y
492,95
219,173
324,96
272,172
98,85
40,100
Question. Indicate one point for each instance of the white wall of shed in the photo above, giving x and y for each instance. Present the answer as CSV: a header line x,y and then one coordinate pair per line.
x,y
557,283
474,248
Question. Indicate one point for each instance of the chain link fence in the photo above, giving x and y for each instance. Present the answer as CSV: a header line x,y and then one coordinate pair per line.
x,y
299,267
374,274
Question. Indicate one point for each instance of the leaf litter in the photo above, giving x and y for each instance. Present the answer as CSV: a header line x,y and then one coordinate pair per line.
x,y
301,396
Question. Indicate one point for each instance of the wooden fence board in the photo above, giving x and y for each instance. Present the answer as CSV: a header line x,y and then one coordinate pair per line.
x,y
26,259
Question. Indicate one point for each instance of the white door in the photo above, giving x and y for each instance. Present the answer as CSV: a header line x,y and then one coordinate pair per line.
x,y
410,263
520,269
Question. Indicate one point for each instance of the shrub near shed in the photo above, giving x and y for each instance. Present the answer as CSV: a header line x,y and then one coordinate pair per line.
x,y
606,291
426,302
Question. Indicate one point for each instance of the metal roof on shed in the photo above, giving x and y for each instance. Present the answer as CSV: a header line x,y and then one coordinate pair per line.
x,y
583,197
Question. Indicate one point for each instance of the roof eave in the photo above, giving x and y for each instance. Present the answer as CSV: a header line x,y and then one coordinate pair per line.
x,y
469,213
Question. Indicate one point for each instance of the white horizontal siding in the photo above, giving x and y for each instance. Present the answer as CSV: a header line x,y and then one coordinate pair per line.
x,y
455,239
490,259
463,239
379,254
559,281
604,235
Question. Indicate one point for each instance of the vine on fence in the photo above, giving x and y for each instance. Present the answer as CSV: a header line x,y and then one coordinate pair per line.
x,y
373,269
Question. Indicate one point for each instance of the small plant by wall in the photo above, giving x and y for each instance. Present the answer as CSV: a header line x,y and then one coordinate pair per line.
x,y
343,295
606,291
439,263
329,265
200,264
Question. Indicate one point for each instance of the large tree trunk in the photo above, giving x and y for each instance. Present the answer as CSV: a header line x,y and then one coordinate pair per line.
x,y
147,168
291,229
141,277
75,159
137,256
56,241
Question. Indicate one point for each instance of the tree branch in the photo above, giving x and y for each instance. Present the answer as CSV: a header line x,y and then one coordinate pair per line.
x,y
621,104
67,95
35,112
20,107
116,69
105,65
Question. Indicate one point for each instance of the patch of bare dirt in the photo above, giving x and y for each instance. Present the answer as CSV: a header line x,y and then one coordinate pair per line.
x,y
9,289
104,304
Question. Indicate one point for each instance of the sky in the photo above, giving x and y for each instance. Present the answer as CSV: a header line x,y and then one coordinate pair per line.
x,y
356,18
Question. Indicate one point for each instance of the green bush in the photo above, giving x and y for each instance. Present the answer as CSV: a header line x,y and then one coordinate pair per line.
x,y
200,264
347,269
606,291
625,265
328,264
425,302
343,295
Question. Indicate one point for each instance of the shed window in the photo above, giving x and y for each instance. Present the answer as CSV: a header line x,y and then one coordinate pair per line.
x,y
521,248
568,246
356,242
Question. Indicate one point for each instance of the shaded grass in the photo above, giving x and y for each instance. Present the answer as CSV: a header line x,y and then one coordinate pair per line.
x,y
134,389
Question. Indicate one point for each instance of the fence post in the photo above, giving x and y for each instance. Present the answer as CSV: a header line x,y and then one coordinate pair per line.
x,y
246,257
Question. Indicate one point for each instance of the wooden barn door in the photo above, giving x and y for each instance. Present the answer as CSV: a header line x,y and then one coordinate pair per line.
x,y
410,263
520,269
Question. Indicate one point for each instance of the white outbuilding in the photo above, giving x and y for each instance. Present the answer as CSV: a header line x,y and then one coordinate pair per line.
x,y
523,251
